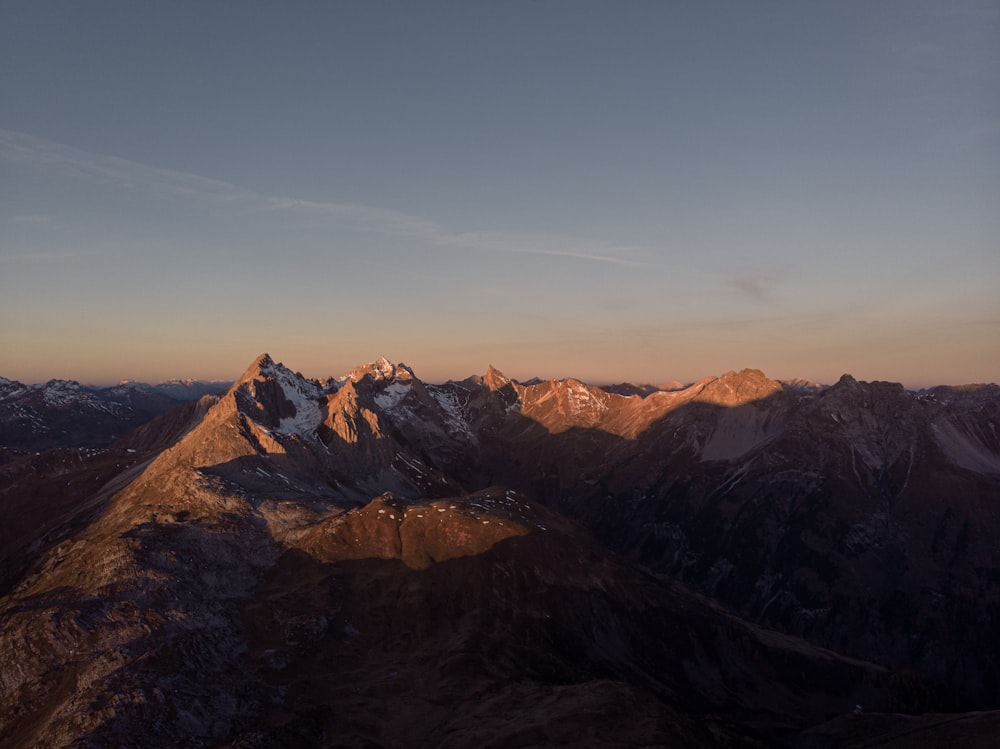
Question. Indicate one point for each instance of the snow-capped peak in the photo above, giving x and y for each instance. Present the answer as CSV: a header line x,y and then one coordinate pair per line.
x,y
381,369
58,385
292,409
384,367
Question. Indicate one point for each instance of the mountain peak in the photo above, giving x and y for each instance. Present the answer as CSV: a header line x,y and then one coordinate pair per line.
x,y
736,388
494,379
260,366
382,369
383,366
58,385
276,397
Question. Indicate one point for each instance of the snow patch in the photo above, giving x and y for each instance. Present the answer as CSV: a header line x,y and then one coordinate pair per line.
x,y
454,419
304,395
394,393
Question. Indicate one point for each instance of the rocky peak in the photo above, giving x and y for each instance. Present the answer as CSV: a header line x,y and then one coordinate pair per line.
x,y
739,388
59,385
258,369
382,370
494,379
868,394
847,381
802,385
973,397
63,392
11,388
274,396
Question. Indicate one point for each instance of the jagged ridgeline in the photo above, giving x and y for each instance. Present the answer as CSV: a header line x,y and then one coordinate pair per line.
x,y
372,560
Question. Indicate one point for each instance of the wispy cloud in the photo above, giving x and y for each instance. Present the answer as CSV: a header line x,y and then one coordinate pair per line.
x,y
27,219
544,244
754,286
122,173
48,257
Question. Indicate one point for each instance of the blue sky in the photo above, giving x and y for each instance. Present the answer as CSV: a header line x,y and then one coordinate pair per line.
x,y
642,191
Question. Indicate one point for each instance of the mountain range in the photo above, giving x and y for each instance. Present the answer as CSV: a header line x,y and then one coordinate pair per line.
x,y
372,560
64,413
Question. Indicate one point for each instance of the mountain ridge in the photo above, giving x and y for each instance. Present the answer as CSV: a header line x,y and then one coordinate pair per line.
x,y
296,531
385,362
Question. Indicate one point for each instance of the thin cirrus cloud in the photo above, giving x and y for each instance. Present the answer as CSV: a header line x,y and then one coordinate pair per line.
x,y
49,257
752,286
28,219
122,173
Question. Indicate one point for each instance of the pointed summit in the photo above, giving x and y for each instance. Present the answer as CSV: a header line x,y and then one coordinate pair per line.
x,y
382,369
272,395
494,379
260,366
847,381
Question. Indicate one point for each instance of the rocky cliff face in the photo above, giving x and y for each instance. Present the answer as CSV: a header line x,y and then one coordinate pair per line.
x,y
380,561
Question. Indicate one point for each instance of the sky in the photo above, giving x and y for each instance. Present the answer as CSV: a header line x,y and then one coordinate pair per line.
x,y
616,191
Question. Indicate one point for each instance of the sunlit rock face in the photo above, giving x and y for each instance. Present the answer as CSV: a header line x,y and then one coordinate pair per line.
x,y
375,560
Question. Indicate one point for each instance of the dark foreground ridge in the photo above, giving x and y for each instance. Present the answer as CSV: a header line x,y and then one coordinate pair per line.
x,y
376,561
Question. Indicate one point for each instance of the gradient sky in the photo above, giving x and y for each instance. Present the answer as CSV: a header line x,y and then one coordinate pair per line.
x,y
645,191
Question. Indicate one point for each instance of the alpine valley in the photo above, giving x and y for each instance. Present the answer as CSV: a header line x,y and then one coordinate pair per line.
x,y
376,561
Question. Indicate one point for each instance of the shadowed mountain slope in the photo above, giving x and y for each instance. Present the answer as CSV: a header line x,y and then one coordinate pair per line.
x,y
64,413
377,561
